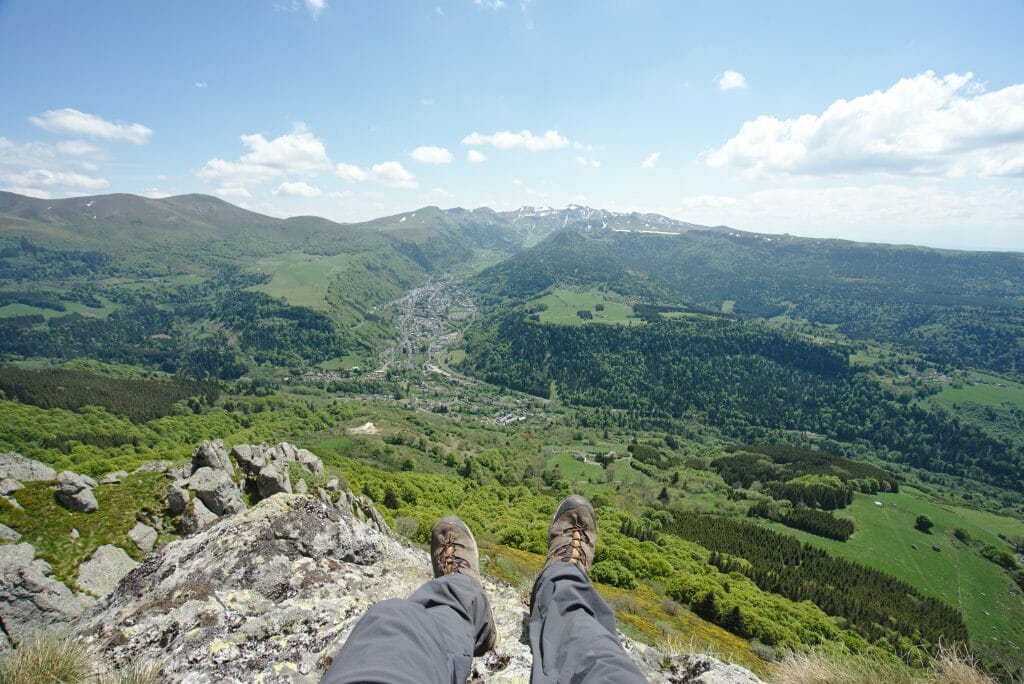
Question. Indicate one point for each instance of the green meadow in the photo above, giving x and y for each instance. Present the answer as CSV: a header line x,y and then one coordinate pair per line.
x,y
301,279
562,305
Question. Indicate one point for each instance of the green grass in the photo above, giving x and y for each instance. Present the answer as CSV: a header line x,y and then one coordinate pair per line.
x,y
301,279
47,525
987,390
992,604
18,309
563,304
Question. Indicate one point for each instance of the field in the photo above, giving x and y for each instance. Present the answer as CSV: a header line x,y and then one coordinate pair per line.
x,y
563,304
987,390
301,279
885,539
17,309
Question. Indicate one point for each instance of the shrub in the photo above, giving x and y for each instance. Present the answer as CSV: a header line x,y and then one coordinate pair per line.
x,y
924,523
614,573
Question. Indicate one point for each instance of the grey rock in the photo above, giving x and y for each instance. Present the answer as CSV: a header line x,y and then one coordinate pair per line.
x,y
196,518
301,487
250,457
7,534
143,536
13,502
311,461
177,497
114,477
273,479
9,486
108,566
17,467
154,467
29,598
272,593
74,533
212,455
74,491
333,485
180,471
216,490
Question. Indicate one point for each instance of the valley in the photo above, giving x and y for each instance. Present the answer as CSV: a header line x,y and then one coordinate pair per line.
x,y
701,386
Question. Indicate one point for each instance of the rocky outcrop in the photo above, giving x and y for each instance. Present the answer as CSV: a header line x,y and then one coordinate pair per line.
x,y
29,598
17,467
101,573
114,477
272,593
7,534
178,497
9,486
74,492
196,517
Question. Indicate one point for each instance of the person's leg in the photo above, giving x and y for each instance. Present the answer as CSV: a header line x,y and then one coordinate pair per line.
x,y
431,636
572,629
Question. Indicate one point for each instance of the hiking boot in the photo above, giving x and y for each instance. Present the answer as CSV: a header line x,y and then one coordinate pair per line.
x,y
573,534
453,550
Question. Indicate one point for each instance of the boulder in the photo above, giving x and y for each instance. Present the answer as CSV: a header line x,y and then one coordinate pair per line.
x,y
154,467
114,477
250,457
9,486
212,454
17,467
101,573
196,517
29,598
177,497
273,479
301,487
216,490
311,461
143,536
333,485
7,534
74,492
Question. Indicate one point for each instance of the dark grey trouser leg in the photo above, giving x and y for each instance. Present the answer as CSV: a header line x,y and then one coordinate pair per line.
x,y
428,638
572,632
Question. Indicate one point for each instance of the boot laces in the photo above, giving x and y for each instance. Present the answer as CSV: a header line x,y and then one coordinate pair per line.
x,y
451,560
573,551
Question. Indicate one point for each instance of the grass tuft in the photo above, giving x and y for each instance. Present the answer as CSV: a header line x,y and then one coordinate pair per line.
x,y
49,658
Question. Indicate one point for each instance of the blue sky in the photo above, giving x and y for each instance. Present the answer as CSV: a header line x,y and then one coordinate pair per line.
x,y
892,122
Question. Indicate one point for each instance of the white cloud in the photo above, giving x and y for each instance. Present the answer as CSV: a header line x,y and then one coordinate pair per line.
x,y
298,152
650,160
298,189
438,11
492,4
428,154
923,125
78,148
155,193
886,212
592,163
73,122
508,140
200,84
441,193
732,80
232,191
43,182
315,7
390,173
476,156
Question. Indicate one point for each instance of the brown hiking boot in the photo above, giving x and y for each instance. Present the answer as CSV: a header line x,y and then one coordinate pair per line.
x,y
573,534
453,551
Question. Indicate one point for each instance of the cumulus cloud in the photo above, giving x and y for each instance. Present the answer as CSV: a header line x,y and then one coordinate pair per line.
x,y
925,125
389,173
73,122
732,80
43,182
476,156
509,140
298,189
428,154
592,163
155,193
315,7
297,152
650,160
